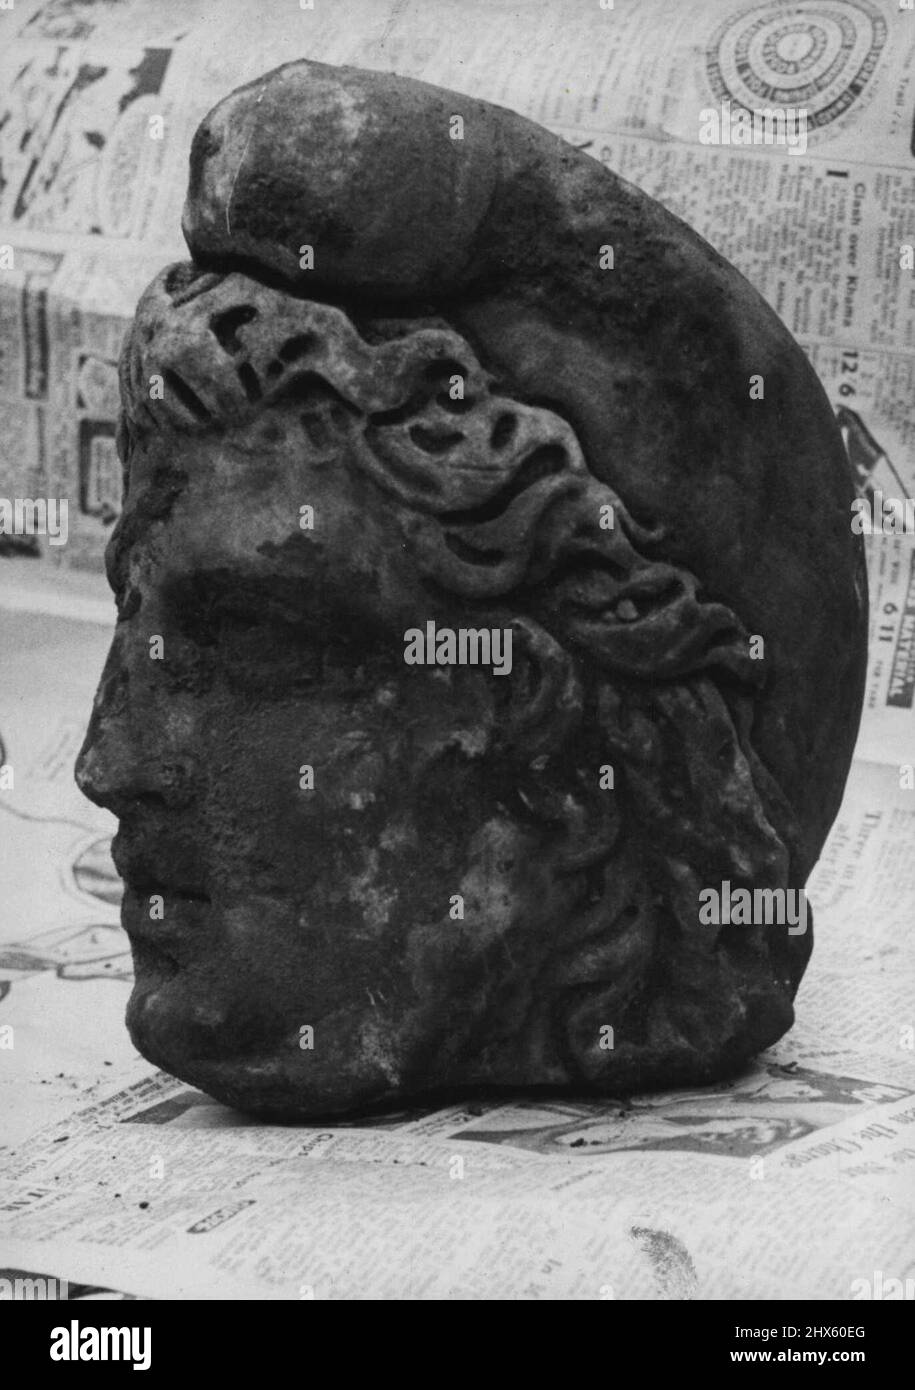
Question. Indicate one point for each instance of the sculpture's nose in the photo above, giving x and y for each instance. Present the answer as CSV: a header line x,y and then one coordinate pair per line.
x,y
107,770
121,763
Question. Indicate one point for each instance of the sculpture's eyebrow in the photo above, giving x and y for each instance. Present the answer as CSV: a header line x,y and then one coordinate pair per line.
x,y
155,504
203,598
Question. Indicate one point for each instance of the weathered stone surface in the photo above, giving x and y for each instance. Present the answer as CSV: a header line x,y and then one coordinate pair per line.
x,y
288,908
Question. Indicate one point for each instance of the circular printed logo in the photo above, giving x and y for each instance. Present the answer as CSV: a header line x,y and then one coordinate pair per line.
x,y
812,55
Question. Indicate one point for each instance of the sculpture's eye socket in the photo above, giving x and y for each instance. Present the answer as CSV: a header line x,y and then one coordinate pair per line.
x,y
266,648
251,644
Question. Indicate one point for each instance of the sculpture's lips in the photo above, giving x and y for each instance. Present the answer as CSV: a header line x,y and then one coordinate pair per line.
x,y
147,874
162,932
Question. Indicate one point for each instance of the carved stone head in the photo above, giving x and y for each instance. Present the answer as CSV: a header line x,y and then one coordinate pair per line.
x,y
474,618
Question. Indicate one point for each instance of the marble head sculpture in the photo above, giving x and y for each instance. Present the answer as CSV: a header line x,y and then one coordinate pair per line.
x,y
402,388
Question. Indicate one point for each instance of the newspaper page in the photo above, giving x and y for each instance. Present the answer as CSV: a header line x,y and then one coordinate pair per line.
x,y
115,1176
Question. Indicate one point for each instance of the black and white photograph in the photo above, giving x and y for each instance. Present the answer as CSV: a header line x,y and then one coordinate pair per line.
x,y
457,663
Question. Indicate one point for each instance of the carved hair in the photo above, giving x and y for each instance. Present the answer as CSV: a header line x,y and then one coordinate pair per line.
x,y
497,504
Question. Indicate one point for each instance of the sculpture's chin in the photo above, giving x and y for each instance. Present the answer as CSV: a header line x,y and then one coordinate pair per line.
x,y
273,1081
197,1024
165,1023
